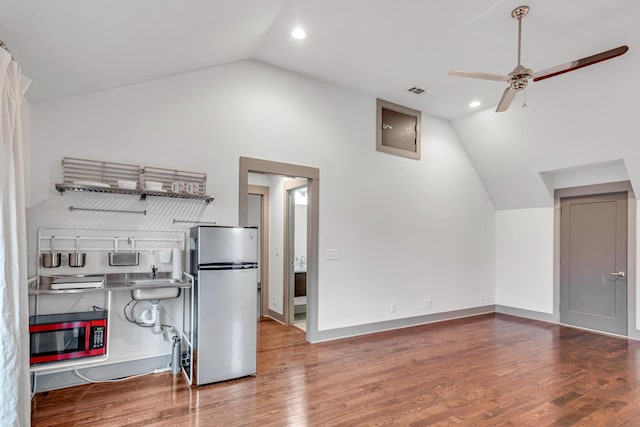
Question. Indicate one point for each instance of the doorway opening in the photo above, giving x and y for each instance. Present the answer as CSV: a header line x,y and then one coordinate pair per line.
x,y
258,216
280,303
295,250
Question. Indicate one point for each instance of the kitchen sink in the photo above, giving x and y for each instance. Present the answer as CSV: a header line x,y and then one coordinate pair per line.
x,y
154,282
155,289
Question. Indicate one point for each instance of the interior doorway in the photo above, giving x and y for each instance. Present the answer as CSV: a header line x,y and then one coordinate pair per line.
x,y
295,251
278,299
593,262
258,216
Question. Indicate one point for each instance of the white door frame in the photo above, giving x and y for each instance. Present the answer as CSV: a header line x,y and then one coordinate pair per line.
x,y
247,165
263,192
288,225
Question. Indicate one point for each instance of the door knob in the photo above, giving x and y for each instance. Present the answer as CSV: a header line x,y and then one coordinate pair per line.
x,y
618,274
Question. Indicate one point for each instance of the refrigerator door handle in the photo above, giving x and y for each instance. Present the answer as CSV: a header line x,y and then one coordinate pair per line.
x,y
228,266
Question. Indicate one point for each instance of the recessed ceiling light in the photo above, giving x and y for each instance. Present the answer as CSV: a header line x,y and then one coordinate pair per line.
x,y
474,104
298,33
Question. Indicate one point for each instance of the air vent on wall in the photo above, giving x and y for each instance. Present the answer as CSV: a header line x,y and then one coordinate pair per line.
x,y
418,91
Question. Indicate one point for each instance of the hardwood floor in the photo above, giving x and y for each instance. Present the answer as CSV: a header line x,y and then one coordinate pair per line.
x,y
484,370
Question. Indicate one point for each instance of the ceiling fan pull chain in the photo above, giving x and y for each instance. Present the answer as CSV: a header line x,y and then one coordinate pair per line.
x,y
524,102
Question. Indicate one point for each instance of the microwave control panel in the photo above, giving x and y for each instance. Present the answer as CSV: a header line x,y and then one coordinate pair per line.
x,y
96,339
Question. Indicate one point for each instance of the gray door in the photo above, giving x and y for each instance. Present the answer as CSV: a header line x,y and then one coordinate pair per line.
x,y
593,262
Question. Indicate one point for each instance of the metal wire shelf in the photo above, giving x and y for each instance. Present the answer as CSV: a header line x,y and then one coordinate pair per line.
x,y
102,177
142,193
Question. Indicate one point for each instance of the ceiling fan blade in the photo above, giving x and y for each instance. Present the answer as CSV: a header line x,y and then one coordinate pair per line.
x,y
507,97
580,63
474,75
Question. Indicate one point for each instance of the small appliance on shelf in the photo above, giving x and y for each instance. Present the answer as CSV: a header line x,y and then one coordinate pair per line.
x,y
77,282
57,337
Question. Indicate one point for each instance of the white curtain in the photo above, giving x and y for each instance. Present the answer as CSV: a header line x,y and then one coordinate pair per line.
x,y
15,401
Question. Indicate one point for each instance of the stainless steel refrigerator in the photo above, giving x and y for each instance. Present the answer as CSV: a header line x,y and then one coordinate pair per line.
x,y
224,262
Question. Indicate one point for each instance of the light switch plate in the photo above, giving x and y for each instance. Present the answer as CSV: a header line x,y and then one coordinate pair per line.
x,y
332,254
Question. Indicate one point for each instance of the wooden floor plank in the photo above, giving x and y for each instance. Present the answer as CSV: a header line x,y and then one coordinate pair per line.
x,y
485,370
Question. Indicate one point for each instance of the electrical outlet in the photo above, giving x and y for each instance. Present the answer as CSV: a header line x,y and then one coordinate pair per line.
x,y
481,296
393,307
429,304
273,300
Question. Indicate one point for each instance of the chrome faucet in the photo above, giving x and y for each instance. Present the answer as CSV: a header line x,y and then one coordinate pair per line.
x,y
154,271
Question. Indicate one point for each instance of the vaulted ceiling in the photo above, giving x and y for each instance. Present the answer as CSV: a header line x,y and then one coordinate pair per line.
x,y
379,47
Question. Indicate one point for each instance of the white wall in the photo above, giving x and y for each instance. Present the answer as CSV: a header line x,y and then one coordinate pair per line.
x,y
524,259
565,126
568,136
406,230
258,179
600,173
300,232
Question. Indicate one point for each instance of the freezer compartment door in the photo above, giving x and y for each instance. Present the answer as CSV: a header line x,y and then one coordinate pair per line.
x,y
227,245
226,345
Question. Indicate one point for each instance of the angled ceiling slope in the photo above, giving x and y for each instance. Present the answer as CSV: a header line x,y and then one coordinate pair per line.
x,y
379,47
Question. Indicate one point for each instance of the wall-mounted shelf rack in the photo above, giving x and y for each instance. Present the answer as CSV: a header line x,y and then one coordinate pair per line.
x,y
141,193
102,177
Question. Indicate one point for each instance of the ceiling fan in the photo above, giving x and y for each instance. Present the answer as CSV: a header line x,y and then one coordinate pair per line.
x,y
518,79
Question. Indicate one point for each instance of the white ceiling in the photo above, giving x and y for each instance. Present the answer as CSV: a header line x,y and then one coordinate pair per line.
x,y
380,47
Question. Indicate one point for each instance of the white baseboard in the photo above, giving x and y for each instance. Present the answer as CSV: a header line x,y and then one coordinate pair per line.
x,y
370,328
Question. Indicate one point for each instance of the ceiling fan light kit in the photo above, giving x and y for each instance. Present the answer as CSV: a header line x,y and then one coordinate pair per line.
x,y
518,79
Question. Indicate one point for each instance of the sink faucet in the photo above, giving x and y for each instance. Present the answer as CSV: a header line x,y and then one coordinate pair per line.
x,y
154,271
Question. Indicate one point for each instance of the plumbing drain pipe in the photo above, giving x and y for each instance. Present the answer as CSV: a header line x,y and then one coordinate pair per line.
x,y
151,316
175,355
